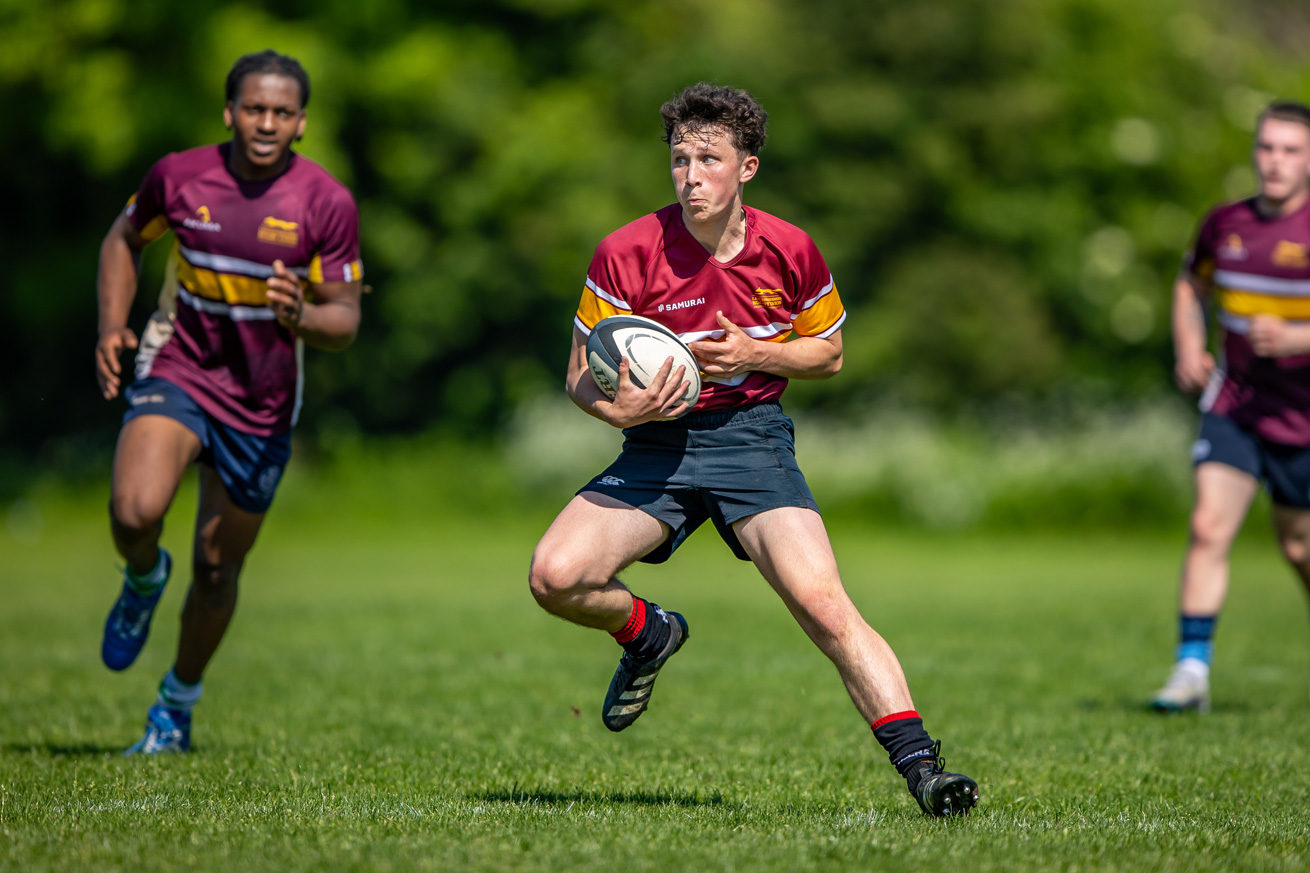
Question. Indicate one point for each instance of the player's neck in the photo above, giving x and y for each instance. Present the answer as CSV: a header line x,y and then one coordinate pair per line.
x,y
1270,208
723,236
243,169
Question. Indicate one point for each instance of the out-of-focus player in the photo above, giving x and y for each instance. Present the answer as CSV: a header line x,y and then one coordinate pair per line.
x,y
1251,260
266,258
754,299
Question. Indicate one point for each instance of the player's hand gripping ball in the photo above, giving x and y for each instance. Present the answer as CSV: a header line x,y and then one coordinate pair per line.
x,y
647,344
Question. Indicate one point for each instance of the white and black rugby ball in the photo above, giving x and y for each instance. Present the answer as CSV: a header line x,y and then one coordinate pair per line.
x,y
646,344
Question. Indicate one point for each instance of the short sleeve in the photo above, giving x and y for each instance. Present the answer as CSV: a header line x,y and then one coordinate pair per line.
x,y
336,244
1199,260
146,209
607,289
819,310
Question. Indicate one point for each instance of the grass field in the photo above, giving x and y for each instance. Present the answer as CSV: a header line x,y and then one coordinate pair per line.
x,y
390,698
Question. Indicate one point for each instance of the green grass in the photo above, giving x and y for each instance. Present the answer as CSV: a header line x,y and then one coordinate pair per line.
x,y
389,698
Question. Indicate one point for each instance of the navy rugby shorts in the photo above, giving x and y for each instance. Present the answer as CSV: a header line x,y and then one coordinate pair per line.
x,y
1285,470
249,466
722,465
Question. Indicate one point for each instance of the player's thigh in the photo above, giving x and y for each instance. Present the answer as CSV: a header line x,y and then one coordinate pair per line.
x,y
790,546
1223,497
152,454
594,537
225,533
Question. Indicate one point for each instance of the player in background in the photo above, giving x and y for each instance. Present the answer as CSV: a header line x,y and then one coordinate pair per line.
x,y
266,257
1251,259
736,284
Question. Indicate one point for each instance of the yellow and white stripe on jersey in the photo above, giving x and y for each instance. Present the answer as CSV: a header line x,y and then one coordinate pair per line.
x,y
224,281
1243,295
596,304
822,315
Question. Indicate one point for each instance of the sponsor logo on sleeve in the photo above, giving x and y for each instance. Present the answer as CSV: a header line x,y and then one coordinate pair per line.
x,y
202,221
279,232
1290,254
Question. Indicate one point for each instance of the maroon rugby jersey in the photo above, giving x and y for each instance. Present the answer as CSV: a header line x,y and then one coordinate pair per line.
x,y
225,346
776,286
1258,266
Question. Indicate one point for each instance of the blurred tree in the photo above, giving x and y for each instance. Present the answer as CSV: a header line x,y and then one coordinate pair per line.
x,y
1002,190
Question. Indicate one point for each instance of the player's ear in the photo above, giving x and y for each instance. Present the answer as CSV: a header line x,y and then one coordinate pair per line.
x,y
227,116
749,168
300,128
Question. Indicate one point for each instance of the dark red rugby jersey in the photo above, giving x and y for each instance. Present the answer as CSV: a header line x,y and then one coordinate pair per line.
x,y
226,348
1258,266
776,286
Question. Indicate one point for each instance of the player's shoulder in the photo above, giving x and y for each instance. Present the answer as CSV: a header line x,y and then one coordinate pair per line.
x,y
1228,210
639,238
317,183
178,167
781,233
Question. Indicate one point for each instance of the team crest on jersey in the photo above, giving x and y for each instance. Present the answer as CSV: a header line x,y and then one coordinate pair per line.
x,y
202,221
1232,249
766,298
279,232
1290,254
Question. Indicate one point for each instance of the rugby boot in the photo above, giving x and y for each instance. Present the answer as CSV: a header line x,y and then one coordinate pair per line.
x,y
941,793
167,730
630,689
1188,688
128,623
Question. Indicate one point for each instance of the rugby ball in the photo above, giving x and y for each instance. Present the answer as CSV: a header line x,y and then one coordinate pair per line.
x,y
646,344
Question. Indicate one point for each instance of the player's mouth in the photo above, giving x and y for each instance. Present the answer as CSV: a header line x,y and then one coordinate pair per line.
x,y
263,148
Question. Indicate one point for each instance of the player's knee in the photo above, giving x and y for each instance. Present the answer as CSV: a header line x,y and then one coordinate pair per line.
x,y
551,579
132,514
1295,548
1210,530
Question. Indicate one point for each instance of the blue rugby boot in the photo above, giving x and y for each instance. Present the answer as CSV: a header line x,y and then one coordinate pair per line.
x,y
167,730
128,623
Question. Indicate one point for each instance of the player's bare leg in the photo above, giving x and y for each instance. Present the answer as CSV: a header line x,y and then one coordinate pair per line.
x,y
575,564
1293,529
1223,497
153,453
224,536
790,547
573,576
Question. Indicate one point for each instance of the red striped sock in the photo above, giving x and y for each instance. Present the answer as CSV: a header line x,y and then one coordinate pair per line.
x,y
636,622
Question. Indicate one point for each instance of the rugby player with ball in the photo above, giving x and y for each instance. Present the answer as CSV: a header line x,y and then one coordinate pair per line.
x,y
752,298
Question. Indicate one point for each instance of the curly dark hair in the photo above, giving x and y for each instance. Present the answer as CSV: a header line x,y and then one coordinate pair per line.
x,y
267,61
1286,110
704,105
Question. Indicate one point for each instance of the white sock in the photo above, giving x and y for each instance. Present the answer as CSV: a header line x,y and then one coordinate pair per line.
x,y
176,694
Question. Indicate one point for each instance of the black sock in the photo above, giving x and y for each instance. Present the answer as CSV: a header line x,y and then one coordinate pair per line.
x,y
908,745
647,631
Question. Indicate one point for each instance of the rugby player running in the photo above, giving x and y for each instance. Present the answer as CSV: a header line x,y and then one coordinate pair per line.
x,y
737,284
1252,259
266,257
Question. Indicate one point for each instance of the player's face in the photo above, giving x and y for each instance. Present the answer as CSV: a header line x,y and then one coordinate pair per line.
x,y
266,118
1282,158
708,173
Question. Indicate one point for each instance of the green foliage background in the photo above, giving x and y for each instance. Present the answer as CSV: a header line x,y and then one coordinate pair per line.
x,y
1002,190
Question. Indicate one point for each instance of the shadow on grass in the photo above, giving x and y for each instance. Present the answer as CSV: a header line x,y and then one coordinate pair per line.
x,y
63,750
533,797
1141,706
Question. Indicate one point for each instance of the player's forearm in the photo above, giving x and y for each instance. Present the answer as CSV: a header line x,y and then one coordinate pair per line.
x,y
585,393
116,281
805,357
331,326
1188,320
